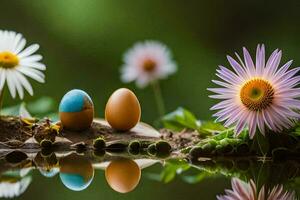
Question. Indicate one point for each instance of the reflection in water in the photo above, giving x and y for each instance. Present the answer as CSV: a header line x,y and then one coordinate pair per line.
x,y
14,183
76,172
248,191
49,173
123,175
277,180
47,165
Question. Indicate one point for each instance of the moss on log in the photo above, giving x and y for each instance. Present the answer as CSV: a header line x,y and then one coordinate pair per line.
x,y
16,132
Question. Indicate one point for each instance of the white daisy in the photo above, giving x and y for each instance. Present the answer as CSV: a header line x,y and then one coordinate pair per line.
x,y
146,62
17,62
257,95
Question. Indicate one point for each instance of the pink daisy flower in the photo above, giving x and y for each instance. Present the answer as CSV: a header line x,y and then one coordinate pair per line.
x,y
257,95
146,62
248,191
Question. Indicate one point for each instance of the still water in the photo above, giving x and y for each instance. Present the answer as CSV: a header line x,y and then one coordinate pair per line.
x,y
103,175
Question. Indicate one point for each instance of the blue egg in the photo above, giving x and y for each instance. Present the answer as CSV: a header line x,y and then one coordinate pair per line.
x,y
75,182
76,172
76,110
74,101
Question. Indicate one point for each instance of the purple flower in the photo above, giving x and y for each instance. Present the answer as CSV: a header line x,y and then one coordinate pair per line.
x,y
257,95
248,191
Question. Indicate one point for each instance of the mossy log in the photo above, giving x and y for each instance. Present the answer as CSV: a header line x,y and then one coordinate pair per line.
x,y
33,134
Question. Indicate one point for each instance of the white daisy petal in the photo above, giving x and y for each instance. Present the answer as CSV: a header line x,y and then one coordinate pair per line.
x,y
36,65
17,84
24,82
2,78
20,46
33,58
28,51
34,74
10,40
17,40
11,84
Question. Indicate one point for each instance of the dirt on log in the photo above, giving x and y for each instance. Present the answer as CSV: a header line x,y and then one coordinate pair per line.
x,y
16,132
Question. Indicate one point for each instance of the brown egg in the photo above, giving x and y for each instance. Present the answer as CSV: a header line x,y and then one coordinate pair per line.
x,y
123,110
123,175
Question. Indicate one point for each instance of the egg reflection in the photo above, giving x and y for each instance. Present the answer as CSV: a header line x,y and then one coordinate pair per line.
x,y
123,175
76,172
49,173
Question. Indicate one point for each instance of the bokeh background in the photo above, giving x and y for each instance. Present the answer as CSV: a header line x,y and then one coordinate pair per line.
x,y
83,41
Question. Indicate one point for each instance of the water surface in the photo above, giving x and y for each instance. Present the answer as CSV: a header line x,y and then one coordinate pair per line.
x,y
70,175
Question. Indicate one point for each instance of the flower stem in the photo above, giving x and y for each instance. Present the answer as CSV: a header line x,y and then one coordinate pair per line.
x,y
1,98
158,97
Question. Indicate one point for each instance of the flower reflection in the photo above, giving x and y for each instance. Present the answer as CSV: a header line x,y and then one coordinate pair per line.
x,y
49,173
76,172
248,191
123,175
14,188
14,183
47,165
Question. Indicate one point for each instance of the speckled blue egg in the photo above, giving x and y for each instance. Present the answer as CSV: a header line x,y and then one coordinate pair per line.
x,y
76,172
76,110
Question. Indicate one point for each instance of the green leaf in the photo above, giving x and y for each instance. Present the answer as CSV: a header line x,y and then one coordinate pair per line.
x,y
152,176
168,174
211,127
297,131
53,116
180,119
42,106
173,167
227,133
192,179
13,110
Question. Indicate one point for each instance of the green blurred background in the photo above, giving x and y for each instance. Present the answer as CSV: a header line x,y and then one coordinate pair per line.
x,y
83,41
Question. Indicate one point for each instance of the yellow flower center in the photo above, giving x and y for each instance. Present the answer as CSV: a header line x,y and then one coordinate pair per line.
x,y
257,94
8,60
149,65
